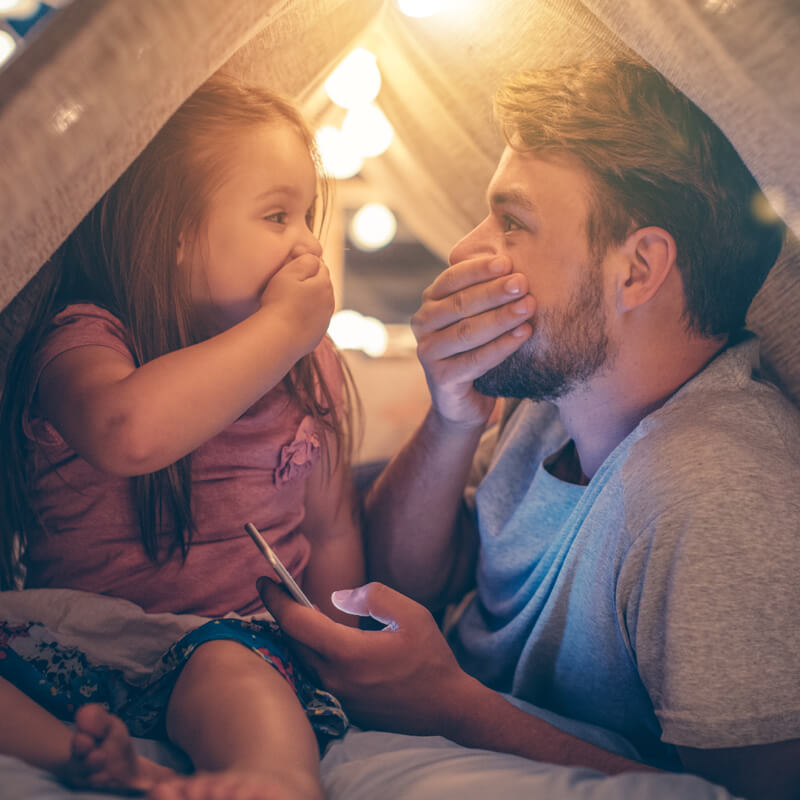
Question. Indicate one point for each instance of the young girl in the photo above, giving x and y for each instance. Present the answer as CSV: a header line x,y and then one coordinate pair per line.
x,y
175,384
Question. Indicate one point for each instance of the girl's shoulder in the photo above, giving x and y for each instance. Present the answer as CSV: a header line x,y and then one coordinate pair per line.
x,y
78,325
84,324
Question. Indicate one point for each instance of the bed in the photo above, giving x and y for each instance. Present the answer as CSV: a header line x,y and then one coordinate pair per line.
x,y
89,90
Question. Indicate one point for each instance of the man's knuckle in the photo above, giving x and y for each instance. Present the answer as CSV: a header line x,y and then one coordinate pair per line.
x,y
459,302
463,331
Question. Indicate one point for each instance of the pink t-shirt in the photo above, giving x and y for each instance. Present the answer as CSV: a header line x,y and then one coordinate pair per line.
x,y
253,471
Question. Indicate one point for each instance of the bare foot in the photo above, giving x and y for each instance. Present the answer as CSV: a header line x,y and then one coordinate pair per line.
x,y
232,785
103,756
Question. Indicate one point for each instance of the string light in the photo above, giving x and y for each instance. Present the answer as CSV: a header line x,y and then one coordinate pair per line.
x,y
419,8
367,128
19,9
7,46
373,226
356,81
340,158
353,331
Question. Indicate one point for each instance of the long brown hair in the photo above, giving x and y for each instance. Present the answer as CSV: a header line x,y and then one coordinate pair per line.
x,y
122,256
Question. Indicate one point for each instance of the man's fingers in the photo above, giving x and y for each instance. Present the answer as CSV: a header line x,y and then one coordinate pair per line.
x,y
317,634
434,315
467,273
377,601
475,331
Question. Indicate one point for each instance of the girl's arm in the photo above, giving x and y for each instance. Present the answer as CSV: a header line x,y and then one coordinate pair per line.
x,y
132,421
331,526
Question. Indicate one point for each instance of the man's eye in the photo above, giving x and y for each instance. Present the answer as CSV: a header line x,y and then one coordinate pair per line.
x,y
510,224
279,217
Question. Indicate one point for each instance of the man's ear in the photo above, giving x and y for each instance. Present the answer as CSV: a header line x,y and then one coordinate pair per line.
x,y
648,256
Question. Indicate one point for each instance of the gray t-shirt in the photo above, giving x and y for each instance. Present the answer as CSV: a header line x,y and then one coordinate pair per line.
x,y
661,601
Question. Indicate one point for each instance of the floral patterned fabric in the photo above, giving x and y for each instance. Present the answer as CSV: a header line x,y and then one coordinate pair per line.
x,y
61,678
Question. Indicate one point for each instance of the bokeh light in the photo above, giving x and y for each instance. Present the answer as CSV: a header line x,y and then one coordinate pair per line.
x,y
340,158
419,8
353,331
7,46
373,226
356,81
367,128
19,9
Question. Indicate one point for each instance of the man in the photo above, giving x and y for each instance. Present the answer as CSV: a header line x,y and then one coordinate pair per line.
x,y
634,542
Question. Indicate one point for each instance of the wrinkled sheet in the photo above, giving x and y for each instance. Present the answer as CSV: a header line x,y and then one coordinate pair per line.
x,y
362,766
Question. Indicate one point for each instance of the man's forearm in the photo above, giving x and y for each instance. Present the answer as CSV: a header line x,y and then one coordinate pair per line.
x,y
412,511
484,719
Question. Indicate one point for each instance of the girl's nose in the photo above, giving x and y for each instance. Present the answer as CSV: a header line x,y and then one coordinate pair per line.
x,y
308,244
478,241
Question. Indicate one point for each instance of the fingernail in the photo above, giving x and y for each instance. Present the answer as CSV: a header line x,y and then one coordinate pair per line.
x,y
513,285
498,265
340,595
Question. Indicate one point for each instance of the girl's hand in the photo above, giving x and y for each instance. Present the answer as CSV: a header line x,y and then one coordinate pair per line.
x,y
301,292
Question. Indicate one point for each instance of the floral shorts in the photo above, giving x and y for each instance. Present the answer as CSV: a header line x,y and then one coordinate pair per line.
x,y
62,679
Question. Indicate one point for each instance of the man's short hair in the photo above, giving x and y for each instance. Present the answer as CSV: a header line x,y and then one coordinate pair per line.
x,y
655,159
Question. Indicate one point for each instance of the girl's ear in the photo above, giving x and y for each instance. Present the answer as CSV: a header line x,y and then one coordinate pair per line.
x,y
648,255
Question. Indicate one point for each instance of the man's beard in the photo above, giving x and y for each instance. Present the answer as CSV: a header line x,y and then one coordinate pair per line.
x,y
568,346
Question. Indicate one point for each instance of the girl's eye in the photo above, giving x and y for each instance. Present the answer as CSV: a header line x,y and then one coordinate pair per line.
x,y
279,217
310,220
510,224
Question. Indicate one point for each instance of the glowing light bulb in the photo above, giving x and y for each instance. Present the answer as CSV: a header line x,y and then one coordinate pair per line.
x,y
368,129
373,226
7,46
419,8
356,81
353,331
340,158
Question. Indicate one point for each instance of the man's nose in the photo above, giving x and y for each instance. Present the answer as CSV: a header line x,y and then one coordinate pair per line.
x,y
478,241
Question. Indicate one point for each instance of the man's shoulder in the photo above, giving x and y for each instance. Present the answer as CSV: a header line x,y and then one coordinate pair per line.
x,y
735,444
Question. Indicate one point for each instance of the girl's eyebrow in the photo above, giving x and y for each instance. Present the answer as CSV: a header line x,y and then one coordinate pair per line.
x,y
281,189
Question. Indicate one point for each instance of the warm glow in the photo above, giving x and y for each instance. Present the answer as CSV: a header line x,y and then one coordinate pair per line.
x,y
356,81
373,226
419,8
353,331
367,128
340,158
7,46
19,9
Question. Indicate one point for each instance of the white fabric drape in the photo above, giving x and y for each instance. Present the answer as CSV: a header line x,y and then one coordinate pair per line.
x,y
85,97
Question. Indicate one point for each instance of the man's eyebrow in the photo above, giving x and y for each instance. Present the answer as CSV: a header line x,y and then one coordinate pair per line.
x,y
512,197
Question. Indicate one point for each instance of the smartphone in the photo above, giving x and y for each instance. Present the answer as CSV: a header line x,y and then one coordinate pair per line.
x,y
285,576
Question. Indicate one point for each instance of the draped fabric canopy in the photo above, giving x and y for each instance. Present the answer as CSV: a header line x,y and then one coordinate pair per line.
x,y
82,100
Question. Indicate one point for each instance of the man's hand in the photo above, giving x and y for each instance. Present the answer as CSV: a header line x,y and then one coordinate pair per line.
x,y
472,317
403,678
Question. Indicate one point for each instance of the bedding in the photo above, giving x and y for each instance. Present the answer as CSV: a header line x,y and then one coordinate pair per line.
x,y
361,766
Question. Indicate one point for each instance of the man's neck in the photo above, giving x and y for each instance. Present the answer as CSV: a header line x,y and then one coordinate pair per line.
x,y
601,413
